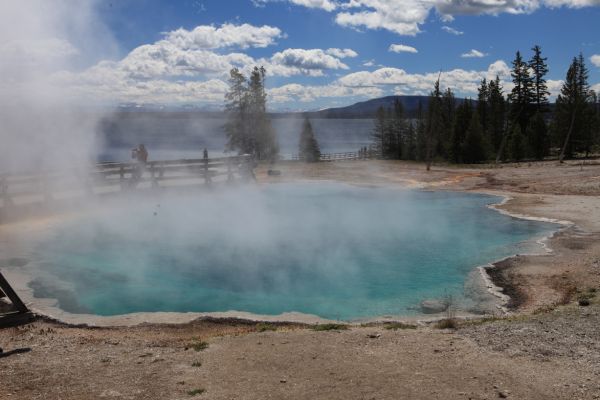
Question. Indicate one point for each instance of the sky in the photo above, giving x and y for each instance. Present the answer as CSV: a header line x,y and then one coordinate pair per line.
x,y
317,53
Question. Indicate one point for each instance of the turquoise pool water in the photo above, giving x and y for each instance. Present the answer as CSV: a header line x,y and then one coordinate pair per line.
x,y
333,250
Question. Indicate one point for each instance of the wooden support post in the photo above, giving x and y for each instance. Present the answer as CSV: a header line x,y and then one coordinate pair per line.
x,y
207,180
153,176
12,295
6,199
230,177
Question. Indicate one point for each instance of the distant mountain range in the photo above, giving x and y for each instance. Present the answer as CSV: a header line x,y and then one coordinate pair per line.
x,y
363,109
368,109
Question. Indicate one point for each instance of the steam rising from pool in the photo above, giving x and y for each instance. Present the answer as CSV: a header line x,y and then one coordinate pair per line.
x,y
332,250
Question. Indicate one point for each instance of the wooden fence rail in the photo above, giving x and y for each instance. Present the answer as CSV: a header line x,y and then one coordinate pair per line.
x,y
123,176
328,157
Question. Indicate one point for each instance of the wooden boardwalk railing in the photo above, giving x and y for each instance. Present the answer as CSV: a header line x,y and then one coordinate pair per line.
x,y
353,155
102,177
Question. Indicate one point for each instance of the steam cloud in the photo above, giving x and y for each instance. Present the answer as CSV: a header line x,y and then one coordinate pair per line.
x,y
42,124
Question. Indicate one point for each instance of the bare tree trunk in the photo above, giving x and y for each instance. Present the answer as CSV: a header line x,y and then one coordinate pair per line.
x,y
501,148
507,132
428,147
564,148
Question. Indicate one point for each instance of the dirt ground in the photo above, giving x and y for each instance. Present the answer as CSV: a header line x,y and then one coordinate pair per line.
x,y
549,348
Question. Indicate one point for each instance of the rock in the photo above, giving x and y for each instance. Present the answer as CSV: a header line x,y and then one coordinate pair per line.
x,y
433,306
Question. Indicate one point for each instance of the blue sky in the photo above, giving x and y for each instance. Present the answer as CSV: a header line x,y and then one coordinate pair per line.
x,y
322,53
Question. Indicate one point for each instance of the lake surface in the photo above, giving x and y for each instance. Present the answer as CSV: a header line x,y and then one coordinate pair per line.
x,y
186,135
333,250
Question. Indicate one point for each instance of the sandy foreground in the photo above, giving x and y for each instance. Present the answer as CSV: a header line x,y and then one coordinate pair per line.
x,y
547,348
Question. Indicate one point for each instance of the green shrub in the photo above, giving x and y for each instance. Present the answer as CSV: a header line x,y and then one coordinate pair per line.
x,y
330,327
194,392
399,325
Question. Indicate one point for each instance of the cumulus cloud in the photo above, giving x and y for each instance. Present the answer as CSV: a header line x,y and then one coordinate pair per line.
x,y
460,80
595,59
406,18
401,48
306,61
452,30
385,14
342,53
473,54
227,35
307,93
327,5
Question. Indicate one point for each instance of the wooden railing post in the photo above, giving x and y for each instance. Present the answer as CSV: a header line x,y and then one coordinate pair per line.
x,y
6,199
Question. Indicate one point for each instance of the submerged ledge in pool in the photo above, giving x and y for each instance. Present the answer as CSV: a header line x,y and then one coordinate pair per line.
x,y
327,249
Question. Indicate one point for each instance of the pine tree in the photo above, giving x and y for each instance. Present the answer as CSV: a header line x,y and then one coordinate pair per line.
x,y
410,140
398,127
421,134
574,111
483,97
236,109
474,148
464,114
521,96
379,135
497,113
308,147
540,89
515,144
249,129
537,134
434,122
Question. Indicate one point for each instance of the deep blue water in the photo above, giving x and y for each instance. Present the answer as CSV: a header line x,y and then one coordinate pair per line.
x,y
333,250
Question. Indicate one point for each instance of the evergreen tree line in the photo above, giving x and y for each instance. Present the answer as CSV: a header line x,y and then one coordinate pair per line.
x,y
249,129
518,126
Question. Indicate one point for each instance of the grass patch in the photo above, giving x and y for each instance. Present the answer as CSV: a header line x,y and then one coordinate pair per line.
x,y
199,346
197,364
447,323
483,320
399,325
264,327
330,327
195,392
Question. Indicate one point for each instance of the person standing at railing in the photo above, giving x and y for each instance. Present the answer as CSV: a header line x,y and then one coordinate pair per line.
x,y
140,154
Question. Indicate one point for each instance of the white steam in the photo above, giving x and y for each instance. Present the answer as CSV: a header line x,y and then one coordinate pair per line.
x,y
42,124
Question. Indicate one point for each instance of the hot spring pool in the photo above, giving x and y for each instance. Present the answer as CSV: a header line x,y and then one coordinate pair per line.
x,y
333,250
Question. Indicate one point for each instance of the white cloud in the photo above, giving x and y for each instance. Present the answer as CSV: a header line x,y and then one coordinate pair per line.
x,y
296,92
401,48
460,80
473,54
595,59
227,35
452,30
327,5
369,63
385,14
405,17
307,60
342,53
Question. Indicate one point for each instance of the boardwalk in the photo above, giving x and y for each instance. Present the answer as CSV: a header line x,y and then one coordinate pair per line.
x,y
44,187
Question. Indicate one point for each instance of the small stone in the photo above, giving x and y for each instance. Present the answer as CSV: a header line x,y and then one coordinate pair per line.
x,y
502,395
282,381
